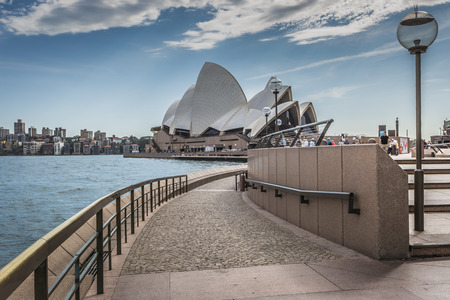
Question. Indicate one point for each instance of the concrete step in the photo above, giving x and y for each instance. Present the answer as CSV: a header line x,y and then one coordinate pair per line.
x,y
432,185
430,250
432,208
424,161
429,171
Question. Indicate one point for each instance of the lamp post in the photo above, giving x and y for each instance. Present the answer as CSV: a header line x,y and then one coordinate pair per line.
x,y
416,32
266,111
275,87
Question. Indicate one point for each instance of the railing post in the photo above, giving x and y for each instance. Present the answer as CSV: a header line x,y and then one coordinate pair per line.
x,y
143,203
118,226
167,190
159,193
173,187
109,247
151,196
77,278
99,223
41,281
187,188
125,226
132,211
181,185
146,202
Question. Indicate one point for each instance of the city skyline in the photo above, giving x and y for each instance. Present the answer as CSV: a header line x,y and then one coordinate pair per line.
x,y
117,67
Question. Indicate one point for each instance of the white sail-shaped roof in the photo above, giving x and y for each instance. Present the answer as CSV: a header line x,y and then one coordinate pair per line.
x,y
182,118
170,114
216,93
217,102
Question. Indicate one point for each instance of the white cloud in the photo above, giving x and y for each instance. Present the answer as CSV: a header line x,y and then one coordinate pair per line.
x,y
300,21
333,93
376,52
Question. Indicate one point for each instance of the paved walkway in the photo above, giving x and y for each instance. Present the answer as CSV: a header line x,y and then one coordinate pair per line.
x,y
212,243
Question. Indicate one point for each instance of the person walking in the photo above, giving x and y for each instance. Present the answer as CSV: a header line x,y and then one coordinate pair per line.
x,y
384,142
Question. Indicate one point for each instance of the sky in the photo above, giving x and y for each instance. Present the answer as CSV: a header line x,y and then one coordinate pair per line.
x,y
117,65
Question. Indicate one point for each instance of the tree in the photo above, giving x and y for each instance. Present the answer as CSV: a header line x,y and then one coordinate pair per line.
x,y
143,141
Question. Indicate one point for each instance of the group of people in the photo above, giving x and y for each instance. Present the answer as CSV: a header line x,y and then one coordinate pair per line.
x,y
301,143
390,146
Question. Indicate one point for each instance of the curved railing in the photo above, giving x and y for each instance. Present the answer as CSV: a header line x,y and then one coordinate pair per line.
x,y
290,137
114,215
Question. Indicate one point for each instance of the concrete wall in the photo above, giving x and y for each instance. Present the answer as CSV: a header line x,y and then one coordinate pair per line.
x,y
380,187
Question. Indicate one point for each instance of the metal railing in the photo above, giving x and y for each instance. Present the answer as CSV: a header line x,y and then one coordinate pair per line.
x,y
293,136
150,194
305,193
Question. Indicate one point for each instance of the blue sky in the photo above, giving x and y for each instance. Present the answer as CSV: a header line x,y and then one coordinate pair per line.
x,y
116,66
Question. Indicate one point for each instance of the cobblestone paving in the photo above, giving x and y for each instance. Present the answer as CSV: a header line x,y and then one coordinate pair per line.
x,y
212,228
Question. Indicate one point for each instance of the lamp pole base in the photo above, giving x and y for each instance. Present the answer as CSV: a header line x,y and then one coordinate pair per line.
x,y
418,200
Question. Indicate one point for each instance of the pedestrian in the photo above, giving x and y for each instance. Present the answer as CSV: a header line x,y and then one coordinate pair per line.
x,y
384,142
283,142
312,143
390,147
329,142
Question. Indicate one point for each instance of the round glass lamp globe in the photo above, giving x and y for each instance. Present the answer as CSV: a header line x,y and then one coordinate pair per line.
x,y
417,31
266,110
275,84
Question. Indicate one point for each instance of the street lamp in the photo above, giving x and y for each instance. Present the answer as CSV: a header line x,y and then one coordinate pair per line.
x,y
275,87
266,111
416,32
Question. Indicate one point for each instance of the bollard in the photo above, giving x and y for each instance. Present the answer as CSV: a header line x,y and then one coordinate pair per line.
x,y
242,182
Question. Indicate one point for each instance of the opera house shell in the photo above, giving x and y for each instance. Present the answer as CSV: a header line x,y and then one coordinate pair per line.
x,y
215,113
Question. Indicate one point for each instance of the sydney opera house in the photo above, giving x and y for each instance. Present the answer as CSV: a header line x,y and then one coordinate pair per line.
x,y
214,115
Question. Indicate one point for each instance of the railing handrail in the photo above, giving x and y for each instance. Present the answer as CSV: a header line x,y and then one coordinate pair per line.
x,y
338,195
281,134
298,127
16,271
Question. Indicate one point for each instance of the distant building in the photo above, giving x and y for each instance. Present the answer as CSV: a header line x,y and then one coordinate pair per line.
x,y
32,148
116,149
446,127
86,149
126,148
85,134
95,150
77,148
47,131
107,150
58,148
66,148
11,138
60,132
99,136
21,137
19,127
32,132
134,148
47,149
3,133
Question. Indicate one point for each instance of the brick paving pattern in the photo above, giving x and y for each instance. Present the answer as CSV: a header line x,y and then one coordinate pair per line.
x,y
212,228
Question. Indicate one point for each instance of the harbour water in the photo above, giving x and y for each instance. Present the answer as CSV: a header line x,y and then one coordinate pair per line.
x,y
37,193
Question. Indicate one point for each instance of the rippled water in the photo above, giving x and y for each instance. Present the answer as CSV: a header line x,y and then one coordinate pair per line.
x,y
37,193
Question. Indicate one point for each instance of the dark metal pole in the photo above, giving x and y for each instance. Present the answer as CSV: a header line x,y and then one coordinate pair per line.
x,y
276,110
119,226
396,128
99,229
418,173
266,126
41,281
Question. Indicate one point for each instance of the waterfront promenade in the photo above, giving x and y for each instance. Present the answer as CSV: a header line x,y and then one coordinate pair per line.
x,y
214,243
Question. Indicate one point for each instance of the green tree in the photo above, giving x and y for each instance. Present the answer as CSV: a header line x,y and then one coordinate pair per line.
x,y
143,141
